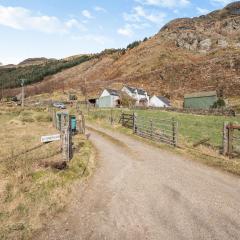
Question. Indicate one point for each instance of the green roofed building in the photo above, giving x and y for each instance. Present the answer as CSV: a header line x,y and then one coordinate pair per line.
x,y
200,100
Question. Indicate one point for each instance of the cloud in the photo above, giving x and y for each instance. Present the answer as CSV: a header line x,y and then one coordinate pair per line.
x,y
73,23
139,18
100,9
139,14
165,3
126,31
23,19
202,11
87,14
222,2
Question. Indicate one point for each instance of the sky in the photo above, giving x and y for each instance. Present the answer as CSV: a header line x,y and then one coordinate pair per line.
x,y
62,28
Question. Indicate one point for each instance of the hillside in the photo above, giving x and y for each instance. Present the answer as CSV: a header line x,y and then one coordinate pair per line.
x,y
186,55
35,70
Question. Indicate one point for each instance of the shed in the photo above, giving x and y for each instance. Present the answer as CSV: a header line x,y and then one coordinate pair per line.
x,y
159,101
200,100
109,99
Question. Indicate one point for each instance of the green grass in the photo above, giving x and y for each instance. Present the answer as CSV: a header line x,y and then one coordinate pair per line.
x,y
192,128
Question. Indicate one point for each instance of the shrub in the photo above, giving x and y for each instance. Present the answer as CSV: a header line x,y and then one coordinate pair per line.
x,y
133,45
220,103
127,101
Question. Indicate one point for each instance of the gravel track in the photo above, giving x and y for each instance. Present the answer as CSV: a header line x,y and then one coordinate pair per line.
x,y
142,192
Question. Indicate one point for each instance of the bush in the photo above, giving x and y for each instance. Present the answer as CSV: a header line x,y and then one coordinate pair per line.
x,y
133,45
127,101
220,103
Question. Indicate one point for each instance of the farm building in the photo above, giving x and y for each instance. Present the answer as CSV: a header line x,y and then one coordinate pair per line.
x,y
109,99
159,101
200,100
139,95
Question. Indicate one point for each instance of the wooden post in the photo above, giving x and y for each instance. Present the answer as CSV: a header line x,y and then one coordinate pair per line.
x,y
225,139
134,123
174,130
23,95
151,125
111,117
83,124
67,144
54,118
230,139
66,133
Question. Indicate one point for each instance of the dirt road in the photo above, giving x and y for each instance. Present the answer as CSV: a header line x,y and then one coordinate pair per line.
x,y
142,192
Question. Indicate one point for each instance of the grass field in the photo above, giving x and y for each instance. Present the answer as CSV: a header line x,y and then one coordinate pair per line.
x,y
30,191
192,128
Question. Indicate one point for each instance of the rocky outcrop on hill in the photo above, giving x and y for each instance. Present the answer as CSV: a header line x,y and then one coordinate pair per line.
x,y
219,29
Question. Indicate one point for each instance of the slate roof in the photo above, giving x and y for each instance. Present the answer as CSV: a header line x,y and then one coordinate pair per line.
x,y
112,92
133,90
201,94
164,99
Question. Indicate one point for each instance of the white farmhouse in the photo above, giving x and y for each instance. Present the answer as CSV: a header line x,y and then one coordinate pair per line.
x,y
159,101
139,95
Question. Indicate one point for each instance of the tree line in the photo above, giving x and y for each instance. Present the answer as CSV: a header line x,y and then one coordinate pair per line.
x,y
11,77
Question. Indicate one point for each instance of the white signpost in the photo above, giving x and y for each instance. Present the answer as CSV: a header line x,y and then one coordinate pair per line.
x,y
50,138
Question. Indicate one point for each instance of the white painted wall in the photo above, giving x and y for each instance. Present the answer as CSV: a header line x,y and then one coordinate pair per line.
x,y
135,96
105,93
156,102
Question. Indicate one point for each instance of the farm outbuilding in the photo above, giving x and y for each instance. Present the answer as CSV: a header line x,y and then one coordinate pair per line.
x,y
109,99
200,100
159,101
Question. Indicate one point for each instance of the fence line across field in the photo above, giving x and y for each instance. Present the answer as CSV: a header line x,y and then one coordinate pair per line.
x,y
162,130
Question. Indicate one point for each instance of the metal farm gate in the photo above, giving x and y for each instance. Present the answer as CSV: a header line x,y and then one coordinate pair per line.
x,y
156,129
127,120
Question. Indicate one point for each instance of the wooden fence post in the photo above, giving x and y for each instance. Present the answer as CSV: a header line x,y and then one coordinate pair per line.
x,y
230,139
151,127
134,123
225,139
67,144
111,117
83,124
174,131
54,118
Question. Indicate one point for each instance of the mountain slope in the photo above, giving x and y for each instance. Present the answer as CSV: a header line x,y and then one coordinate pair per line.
x,y
186,55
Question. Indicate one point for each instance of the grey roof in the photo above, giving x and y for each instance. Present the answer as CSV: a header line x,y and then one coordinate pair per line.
x,y
133,90
201,94
164,99
112,92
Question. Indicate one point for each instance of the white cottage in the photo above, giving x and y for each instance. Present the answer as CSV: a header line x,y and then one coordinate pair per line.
x,y
159,101
139,95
